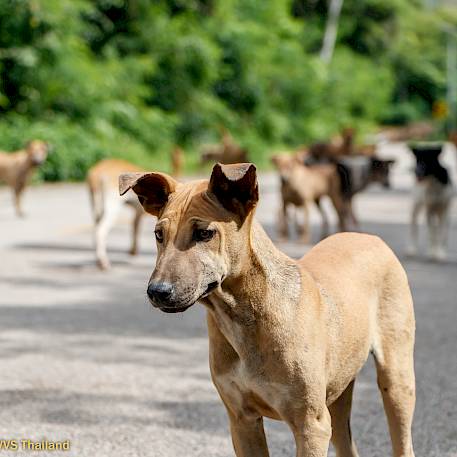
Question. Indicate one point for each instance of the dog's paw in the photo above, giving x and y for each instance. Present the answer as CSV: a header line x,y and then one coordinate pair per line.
x,y
103,264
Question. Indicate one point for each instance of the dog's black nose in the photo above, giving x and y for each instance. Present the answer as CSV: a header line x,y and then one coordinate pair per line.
x,y
160,291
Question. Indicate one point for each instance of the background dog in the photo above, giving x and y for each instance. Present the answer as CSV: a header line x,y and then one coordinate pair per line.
x,y
102,180
17,167
432,194
303,187
356,174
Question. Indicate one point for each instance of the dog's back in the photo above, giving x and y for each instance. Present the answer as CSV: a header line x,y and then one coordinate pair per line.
x,y
102,180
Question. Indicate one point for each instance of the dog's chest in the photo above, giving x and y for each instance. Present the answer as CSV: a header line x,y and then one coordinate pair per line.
x,y
251,390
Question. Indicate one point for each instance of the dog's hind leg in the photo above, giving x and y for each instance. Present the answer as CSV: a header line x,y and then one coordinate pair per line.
x,y
305,237
443,231
340,412
352,215
96,203
433,233
394,357
324,229
396,383
341,208
135,230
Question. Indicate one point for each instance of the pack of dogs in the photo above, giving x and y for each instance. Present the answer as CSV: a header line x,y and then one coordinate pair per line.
x,y
338,170
287,338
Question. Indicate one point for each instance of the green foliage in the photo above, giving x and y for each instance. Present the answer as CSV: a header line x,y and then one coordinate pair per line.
x,y
132,78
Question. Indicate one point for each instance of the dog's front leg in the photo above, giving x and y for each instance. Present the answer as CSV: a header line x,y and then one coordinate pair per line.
x,y
312,434
248,436
135,230
17,198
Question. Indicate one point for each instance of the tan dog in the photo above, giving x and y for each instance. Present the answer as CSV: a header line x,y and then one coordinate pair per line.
x,y
302,187
17,167
102,180
287,338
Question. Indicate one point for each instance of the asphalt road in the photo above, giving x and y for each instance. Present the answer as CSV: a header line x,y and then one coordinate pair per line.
x,y
83,356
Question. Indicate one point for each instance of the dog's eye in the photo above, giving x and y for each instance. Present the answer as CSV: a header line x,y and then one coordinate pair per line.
x,y
203,234
159,235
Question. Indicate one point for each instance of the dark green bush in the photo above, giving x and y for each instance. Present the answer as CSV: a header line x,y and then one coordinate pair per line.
x,y
133,78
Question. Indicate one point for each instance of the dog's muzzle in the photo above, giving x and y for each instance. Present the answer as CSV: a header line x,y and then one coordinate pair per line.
x,y
162,295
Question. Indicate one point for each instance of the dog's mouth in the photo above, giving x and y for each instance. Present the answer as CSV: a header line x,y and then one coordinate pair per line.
x,y
180,309
174,309
211,286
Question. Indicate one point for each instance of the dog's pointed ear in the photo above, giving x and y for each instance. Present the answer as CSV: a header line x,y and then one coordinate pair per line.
x,y
152,189
235,187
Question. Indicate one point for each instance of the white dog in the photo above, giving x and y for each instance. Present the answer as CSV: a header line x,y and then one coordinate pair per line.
x,y
102,180
432,193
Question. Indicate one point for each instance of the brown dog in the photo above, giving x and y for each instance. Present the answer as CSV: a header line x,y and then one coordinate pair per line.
x,y
102,180
17,167
302,187
287,338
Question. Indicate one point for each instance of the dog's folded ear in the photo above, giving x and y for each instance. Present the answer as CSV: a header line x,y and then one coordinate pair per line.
x,y
235,187
153,189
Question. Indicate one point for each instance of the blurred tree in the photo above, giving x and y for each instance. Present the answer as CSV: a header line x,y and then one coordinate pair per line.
x,y
131,78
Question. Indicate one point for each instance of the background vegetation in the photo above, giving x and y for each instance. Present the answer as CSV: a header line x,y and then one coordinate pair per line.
x,y
132,78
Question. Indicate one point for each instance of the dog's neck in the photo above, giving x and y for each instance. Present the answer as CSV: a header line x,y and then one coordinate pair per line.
x,y
256,299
